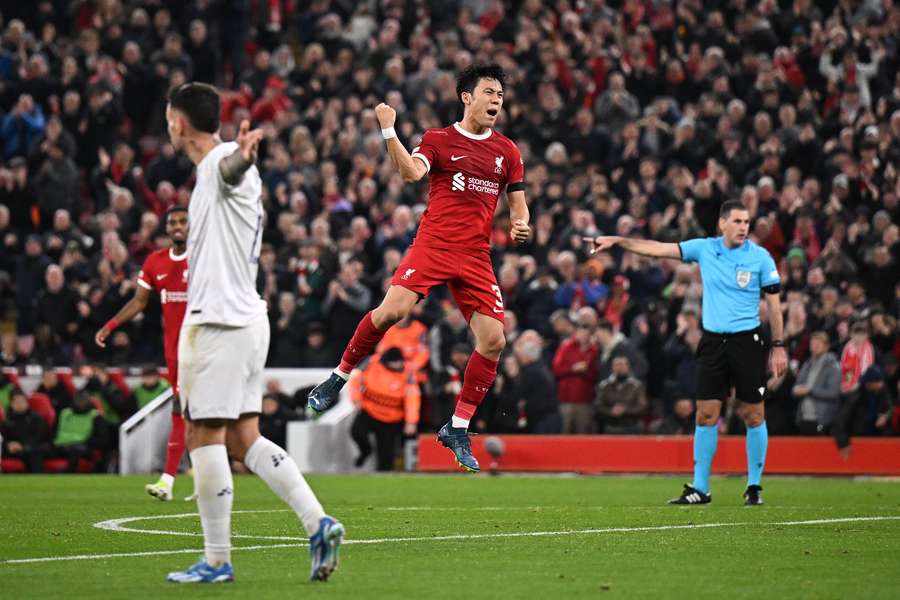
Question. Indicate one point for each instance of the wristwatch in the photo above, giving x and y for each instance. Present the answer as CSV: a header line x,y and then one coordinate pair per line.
x,y
778,343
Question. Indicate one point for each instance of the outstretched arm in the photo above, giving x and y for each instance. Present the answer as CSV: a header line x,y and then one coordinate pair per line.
x,y
233,166
134,307
638,246
410,169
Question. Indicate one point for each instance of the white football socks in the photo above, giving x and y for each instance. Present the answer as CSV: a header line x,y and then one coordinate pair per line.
x,y
459,422
280,472
215,495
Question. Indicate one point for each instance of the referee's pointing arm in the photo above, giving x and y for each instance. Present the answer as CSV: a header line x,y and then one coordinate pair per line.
x,y
645,247
656,249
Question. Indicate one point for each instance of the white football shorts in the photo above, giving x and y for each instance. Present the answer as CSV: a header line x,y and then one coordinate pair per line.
x,y
220,369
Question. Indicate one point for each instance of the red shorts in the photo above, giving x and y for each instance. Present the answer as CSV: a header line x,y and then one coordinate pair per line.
x,y
470,278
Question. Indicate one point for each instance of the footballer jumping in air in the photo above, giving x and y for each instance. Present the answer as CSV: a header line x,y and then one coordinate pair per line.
x,y
225,338
470,165
164,272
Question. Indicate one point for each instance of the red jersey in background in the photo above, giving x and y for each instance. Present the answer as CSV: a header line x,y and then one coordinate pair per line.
x,y
166,273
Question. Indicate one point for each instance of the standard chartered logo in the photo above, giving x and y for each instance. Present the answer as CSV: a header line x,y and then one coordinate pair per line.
x,y
167,296
460,184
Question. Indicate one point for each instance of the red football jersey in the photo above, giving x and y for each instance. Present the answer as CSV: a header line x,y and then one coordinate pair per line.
x,y
468,172
167,274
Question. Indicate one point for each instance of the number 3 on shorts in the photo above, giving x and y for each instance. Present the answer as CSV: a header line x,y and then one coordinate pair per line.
x,y
499,301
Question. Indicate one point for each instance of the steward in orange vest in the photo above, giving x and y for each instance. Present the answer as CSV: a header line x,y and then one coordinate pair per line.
x,y
389,398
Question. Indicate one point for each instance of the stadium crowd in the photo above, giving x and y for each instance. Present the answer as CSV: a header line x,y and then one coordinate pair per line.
x,y
633,118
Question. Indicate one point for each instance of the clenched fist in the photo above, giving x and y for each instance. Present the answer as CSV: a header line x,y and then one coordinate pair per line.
x,y
520,231
386,115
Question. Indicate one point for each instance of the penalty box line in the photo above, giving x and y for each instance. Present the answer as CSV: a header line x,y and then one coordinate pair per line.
x,y
439,538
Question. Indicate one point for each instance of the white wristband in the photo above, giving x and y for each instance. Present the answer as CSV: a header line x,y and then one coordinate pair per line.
x,y
388,133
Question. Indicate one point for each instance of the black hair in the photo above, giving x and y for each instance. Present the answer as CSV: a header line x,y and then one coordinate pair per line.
x,y
173,210
200,104
730,205
469,77
392,354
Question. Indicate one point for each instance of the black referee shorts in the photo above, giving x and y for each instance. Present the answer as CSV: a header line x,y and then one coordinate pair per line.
x,y
731,360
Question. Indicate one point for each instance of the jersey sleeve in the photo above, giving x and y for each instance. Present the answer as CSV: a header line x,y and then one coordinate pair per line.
x,y
768,271
516,167
227,148
691,249
145,276
428,149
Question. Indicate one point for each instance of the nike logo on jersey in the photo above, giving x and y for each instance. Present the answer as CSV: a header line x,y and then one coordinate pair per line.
x,y
456,158
160,277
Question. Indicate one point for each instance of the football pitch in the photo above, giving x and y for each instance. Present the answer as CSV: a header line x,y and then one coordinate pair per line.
x,y
456,536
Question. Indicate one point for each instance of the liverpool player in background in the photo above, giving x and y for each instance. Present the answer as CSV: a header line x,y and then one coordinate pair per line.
x,y
165,272
470,165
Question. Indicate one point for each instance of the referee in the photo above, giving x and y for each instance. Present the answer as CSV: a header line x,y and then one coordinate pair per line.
x,y
732,352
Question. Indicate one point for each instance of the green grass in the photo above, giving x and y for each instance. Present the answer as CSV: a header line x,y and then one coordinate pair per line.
x,y
53,516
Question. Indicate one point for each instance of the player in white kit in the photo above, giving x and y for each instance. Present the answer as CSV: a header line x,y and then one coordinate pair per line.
x,y
225,338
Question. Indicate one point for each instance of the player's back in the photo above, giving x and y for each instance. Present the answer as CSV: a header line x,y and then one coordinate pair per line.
x,y
468,172
224,244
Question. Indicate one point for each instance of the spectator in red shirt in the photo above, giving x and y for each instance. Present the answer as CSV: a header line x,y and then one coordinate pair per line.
x,y
273,102
575,368
858,355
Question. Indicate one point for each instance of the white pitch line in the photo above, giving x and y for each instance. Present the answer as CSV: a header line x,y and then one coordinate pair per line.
x,y
457,537
118,525
481,536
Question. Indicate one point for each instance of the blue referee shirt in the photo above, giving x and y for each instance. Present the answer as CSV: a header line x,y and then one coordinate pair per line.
x,y
732,279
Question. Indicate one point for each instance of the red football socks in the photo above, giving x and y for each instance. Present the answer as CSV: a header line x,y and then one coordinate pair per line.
x,y
361,344
175,447
479,377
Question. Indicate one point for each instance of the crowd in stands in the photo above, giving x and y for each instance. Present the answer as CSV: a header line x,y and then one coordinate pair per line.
x,y
71,424
633,118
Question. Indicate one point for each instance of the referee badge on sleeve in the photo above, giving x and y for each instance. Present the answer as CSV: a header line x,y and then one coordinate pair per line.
x,y
743,278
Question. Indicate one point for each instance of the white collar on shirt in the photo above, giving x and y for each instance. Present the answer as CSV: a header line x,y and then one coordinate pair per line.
x,y
473,136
